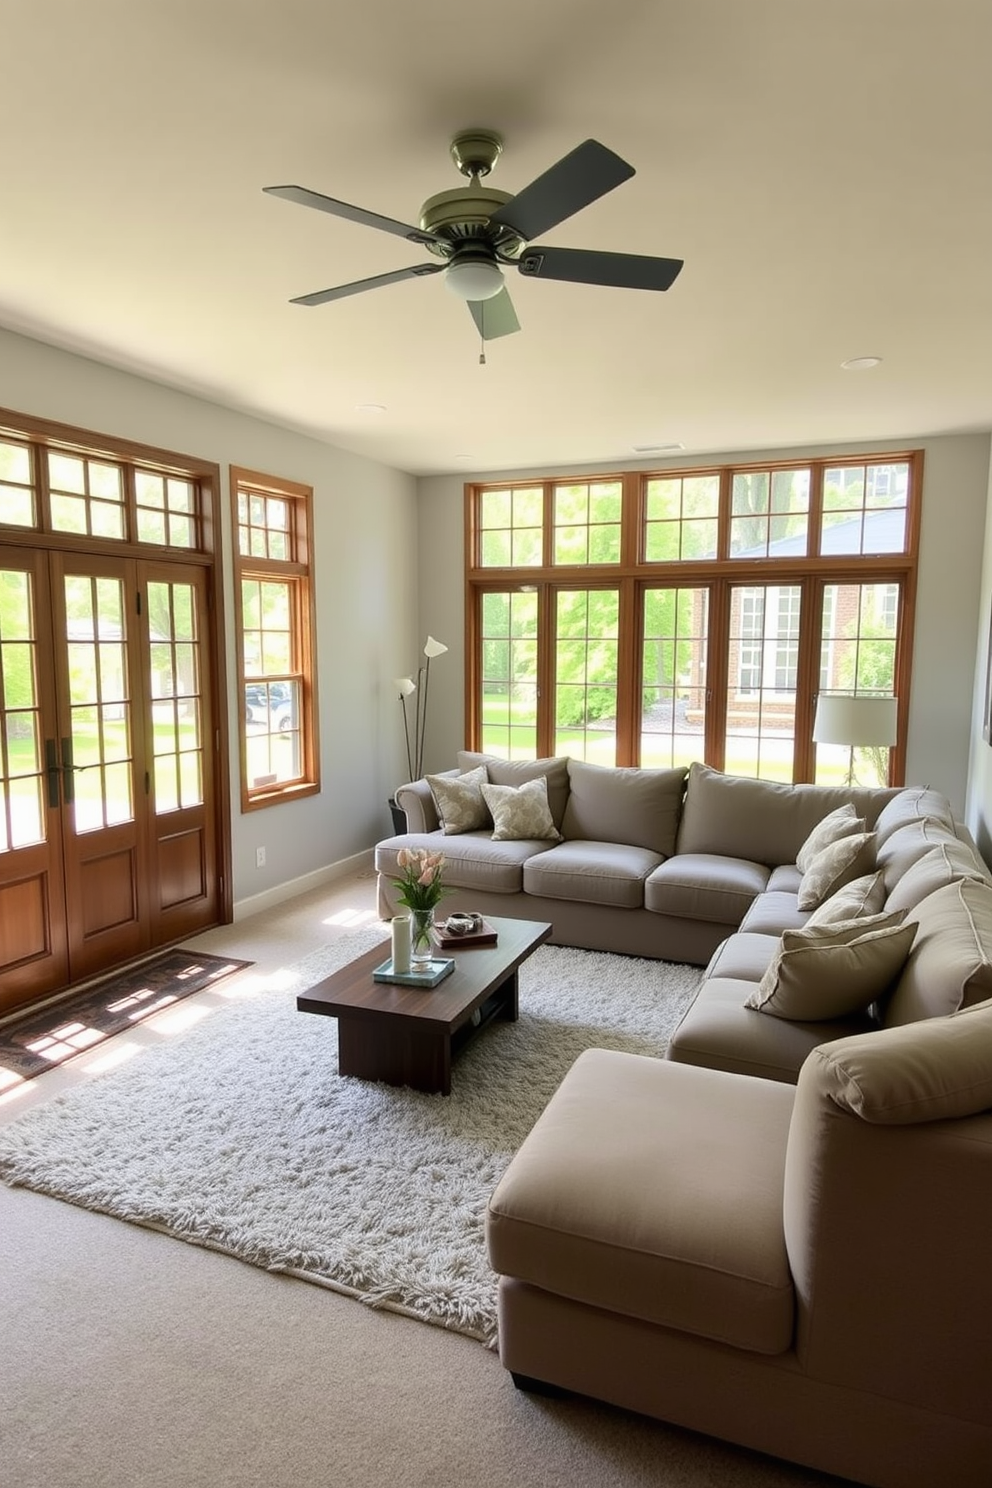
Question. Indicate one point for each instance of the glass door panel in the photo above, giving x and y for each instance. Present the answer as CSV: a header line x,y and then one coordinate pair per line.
x,y
509,674
673,677
763,660
859,626
586,649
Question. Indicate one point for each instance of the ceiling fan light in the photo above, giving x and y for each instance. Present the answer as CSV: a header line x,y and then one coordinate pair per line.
x,y
474,279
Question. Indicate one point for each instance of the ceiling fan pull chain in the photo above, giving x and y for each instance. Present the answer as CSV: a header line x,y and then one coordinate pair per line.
x,y
482,351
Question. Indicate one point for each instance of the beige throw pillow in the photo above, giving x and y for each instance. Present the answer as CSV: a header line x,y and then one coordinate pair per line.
x,y
521,813
836,865
862,896
459,802
840,823
833,970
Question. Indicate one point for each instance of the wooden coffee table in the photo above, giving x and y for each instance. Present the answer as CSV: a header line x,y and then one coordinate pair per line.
x,y
410,1035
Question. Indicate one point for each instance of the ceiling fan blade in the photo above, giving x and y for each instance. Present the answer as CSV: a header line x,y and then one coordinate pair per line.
x,y
583,266
342,291
583,176
496,317
305,198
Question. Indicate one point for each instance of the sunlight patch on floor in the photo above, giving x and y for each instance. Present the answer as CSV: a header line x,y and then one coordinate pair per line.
x,y
349,917
179,1018
120,1051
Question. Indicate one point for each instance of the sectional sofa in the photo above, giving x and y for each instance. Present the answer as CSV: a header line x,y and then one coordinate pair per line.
x,y
778,1234
661,863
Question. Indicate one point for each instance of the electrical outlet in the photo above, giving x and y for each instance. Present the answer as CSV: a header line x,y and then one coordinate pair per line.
x,y
260,857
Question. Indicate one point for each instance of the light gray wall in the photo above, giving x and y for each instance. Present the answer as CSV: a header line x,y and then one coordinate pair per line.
x,y
365,530
955,497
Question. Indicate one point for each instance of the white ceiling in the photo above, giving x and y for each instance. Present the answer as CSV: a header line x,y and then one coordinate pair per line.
x,y
823,166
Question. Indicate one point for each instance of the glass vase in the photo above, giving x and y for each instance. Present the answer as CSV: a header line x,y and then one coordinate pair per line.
x,y
422,949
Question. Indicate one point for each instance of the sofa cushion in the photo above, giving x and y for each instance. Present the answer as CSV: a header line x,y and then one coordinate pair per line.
x,y
585,1209
950,965
719,1032
591,873
835,866
831,971
861,896
640,807
936,1070
459,802
772,912
839,823
704,886
738,816
472,860
521,813
943,864
909,805
745,956
515,772
907,845
786,878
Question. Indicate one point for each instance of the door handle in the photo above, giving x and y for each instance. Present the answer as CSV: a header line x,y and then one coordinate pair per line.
x,y
68,784
52,772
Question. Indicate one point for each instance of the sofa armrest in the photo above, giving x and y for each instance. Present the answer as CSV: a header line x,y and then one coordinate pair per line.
x,y
417,801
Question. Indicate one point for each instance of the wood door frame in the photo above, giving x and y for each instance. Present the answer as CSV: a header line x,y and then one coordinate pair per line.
x,y
41,435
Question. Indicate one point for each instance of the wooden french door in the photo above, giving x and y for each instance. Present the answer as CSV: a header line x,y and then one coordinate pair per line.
x,y
107,826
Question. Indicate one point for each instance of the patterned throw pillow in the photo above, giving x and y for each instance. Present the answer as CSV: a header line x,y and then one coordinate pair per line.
x,y
840,823
833,971
833,867
459,802
862,896
521,813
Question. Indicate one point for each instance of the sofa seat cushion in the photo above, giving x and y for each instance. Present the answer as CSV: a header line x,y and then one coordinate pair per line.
x,y
705,886
785,879
719,1032
641,807
772,912
591,873
585,1209
745,956
472,860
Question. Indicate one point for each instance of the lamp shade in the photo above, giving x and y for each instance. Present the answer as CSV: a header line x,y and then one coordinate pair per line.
x,y
854,721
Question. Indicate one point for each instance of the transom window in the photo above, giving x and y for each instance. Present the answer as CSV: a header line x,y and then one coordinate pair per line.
x,y
608,619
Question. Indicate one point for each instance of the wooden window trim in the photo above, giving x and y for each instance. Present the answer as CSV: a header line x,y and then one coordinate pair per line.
x,y
811,572
297,570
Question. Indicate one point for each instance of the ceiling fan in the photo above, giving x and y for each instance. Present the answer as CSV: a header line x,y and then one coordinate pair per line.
x,y
477,231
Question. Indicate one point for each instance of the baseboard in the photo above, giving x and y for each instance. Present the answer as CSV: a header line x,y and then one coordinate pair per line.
x,y
346,868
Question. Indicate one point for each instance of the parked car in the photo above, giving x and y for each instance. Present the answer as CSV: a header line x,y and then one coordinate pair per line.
x,y
270,704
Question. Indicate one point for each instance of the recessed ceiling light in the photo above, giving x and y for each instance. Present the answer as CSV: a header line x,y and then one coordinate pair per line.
x,y
654,449
860,364
370,407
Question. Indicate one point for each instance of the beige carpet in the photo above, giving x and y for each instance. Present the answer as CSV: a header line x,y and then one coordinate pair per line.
x,y
128,1360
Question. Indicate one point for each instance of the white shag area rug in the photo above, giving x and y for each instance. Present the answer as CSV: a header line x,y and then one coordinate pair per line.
x,y
240,1135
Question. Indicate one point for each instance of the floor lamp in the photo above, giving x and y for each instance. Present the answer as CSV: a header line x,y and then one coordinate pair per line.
x,y
854,722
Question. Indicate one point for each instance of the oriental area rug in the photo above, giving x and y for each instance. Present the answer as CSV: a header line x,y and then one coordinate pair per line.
x,y
82,1019
241,1136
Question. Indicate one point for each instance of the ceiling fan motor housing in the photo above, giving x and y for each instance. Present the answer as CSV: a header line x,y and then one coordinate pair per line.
x,y
462,215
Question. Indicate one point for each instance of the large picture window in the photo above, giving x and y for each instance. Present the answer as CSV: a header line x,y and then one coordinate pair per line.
x,y
656,618
275,618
